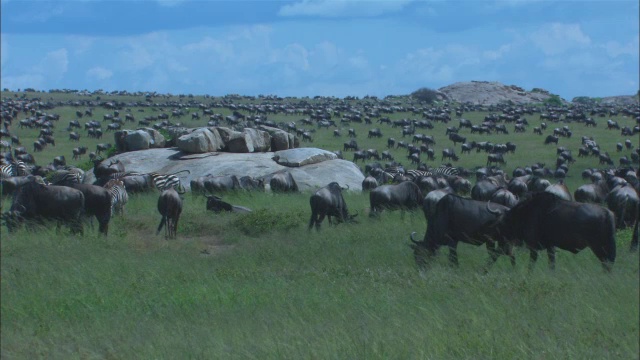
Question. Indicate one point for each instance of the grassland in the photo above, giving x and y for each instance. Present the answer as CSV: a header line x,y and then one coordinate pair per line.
x,y
261,286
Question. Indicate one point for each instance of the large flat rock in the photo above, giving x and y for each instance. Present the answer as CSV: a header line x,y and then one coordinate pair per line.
x,y
260,165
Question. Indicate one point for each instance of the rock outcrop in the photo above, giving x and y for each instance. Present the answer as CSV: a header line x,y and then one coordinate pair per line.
x,y
492,93
311,168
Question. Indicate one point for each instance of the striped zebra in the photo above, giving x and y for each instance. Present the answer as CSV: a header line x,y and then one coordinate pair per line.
x,y
164,182
439,171
66,177
119,196
17,168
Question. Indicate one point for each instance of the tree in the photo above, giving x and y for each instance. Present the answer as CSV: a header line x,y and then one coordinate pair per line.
x,y
553,100
425,94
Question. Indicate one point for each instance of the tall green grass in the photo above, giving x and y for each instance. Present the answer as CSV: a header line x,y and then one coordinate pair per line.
x,y
347,291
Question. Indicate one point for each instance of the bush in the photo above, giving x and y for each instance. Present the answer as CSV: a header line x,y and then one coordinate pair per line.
x,y
553,100
425,94
263,221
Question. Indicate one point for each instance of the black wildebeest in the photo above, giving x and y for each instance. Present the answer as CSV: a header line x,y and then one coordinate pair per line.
x,y
495,158
170,208
369,183
283,182
623,201
456,219
404,196
36,201
546,222
449,153
560,190
217,205
250,183
457,138
328,201
551,139
97,202
215,184
352,144
375,133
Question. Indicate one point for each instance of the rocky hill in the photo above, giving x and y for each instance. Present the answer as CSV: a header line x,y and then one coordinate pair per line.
x,y
620,100
492,92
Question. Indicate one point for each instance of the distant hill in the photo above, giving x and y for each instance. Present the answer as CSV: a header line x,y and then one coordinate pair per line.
x,y
493,92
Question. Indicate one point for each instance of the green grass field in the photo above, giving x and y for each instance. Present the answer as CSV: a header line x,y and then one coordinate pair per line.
x,y
260,286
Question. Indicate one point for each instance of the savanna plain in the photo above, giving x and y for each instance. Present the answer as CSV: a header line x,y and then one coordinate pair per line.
x,y
259,285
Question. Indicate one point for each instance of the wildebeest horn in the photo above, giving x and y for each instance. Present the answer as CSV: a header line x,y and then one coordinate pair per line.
x,y
493,211
347,188
412,240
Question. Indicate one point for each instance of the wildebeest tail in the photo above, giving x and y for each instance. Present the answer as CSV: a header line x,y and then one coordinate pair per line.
x,y
162,222
609,238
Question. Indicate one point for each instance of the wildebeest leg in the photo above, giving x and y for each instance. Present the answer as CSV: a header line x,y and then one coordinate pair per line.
x,y
551,254
313,220
493,255
175,226
533,257
634,239
319,220
453,252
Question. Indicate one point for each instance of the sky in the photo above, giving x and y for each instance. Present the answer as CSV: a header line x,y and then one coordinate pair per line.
x,y
319,47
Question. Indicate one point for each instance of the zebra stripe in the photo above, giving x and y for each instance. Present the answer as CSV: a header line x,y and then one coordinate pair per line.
x,y
17,168
119,196
164,182
66,177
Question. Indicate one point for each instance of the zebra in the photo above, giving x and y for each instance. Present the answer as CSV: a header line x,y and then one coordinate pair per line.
x,y
164,182
66,177
17,168
119,196
443,171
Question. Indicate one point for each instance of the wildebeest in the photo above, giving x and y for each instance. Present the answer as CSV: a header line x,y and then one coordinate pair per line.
x,y
250,183
623,201
456,219
283,182
170,208
457,138
215,183
546,222
495,158
369,183
504,197
449,153
36,201
97,202
551,139
375,133
594,193
403,196
328,201
217,205
560,190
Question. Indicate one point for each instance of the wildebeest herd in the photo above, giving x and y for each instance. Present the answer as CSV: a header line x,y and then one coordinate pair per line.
x,y
532,208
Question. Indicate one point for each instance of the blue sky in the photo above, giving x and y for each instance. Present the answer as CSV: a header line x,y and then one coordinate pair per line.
x,y
319,47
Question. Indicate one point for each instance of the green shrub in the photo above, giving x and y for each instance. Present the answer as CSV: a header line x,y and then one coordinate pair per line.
x,y
553,100
262,221
425,94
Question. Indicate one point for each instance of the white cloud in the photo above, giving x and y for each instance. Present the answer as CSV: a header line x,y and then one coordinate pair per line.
x,y
615,49
80,44
99,73
35,81
219,49
137,58
497,54
342,8
54,65
554,39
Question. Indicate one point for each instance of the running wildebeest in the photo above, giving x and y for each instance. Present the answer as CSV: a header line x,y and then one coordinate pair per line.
x,y
328,201
170,208
546,222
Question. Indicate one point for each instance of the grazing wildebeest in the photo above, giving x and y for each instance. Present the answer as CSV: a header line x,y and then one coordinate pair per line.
x,y
546,222
360,155
283,182
352,144
217,205
375,133
328,201
170,208
404,196
623,201
456,219
221,183
449,153
36,201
